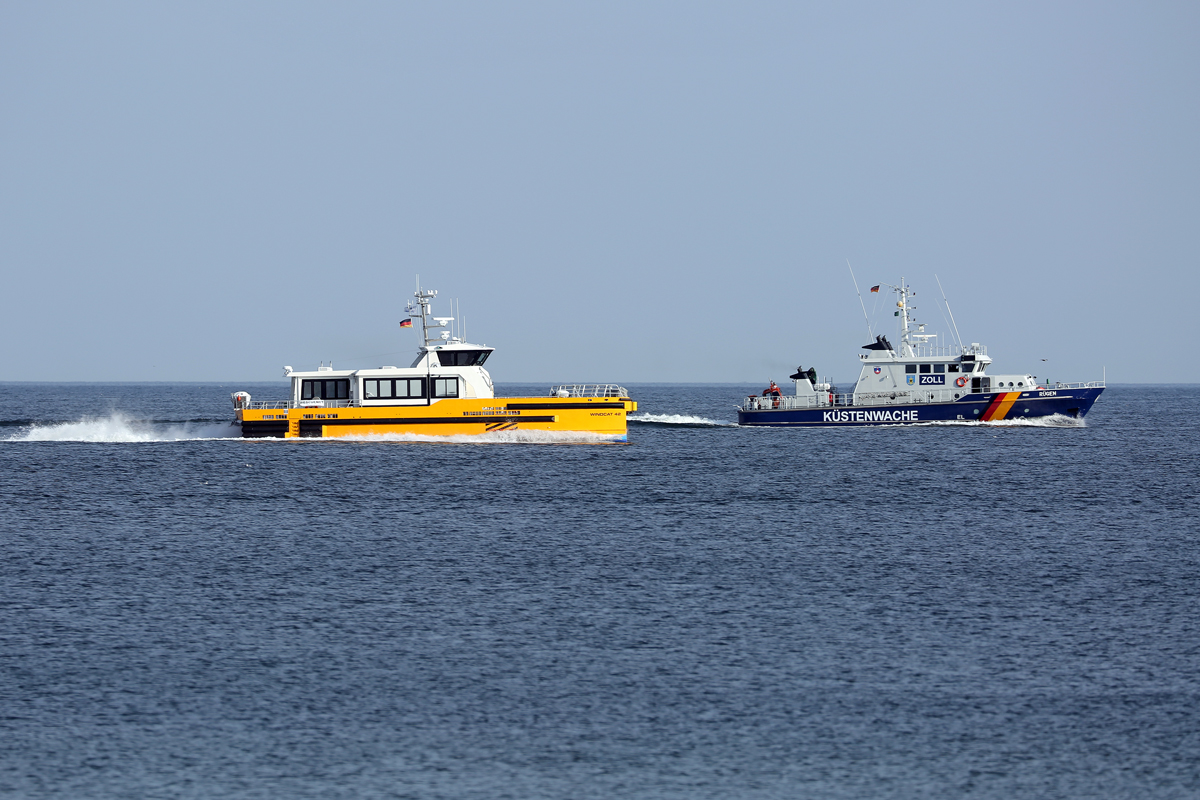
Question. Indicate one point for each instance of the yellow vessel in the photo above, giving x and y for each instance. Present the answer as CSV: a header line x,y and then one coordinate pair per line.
x,y
445,392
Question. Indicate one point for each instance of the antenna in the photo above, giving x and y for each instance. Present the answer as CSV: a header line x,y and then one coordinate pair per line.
x,y
870,333
947,302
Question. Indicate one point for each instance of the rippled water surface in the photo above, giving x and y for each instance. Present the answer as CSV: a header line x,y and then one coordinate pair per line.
x,y
991,611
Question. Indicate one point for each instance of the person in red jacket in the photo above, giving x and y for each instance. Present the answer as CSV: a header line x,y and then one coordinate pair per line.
x,y
773,392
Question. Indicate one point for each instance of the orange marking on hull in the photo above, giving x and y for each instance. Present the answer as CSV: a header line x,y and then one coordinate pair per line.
x,y
991,409
1000,407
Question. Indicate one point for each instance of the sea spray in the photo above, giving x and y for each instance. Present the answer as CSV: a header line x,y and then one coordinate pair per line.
x,y
680,420
118,427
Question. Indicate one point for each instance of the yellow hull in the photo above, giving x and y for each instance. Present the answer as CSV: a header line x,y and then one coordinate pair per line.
x,y
605,416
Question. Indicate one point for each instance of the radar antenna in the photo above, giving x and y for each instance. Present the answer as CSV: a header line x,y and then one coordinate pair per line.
x,y
904,306
422,310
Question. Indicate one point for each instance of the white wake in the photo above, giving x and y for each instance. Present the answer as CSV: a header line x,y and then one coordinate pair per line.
x,y
119,428
682,420
495,437
1052,421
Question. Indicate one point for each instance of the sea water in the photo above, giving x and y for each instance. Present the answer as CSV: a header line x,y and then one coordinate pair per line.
x,y
707,611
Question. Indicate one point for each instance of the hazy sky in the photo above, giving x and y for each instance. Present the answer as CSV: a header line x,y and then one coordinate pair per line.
x,y
615,191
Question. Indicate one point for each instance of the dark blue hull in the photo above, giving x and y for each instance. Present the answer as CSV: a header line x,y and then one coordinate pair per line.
x,y
990,407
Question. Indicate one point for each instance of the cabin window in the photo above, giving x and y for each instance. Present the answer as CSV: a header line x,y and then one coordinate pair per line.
x,y
968,367
952,368
924,368
910,368
388,389
462,358
939,367
325,390
445,387
410,387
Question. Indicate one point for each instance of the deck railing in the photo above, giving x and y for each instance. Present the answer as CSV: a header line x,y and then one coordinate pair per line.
x,y
268,404
327,404
1082,385
927,350
564,390
789,401
821,400
588,390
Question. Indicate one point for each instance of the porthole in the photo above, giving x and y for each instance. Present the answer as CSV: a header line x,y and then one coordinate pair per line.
x,y
1019,383
1027,411
976,411
1010,383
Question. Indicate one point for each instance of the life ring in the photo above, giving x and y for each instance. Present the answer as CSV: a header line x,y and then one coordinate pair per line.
x,y
961,382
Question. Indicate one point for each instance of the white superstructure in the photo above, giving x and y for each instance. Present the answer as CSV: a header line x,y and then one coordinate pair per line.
x,y
923,370
446,366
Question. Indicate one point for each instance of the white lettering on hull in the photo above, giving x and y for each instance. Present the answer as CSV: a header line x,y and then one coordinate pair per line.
x,y
871,416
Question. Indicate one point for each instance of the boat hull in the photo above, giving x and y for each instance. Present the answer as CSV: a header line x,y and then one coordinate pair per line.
x,y
989,407
603,416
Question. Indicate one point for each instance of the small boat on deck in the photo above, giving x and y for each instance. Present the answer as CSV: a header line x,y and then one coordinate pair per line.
x,y
446,391
918,382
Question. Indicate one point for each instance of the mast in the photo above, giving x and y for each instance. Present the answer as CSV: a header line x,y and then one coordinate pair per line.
x,y
422,309
905,346
908,338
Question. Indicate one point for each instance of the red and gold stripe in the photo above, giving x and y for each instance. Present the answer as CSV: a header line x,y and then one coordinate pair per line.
x,y
1000,406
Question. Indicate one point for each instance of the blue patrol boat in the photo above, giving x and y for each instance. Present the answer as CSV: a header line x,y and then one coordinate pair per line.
x,y
920,381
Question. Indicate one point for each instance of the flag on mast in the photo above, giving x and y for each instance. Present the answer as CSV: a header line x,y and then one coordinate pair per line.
x,y
406,323
875,288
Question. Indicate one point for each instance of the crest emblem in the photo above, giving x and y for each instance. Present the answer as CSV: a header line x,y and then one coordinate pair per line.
x,y
877,370
910,379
